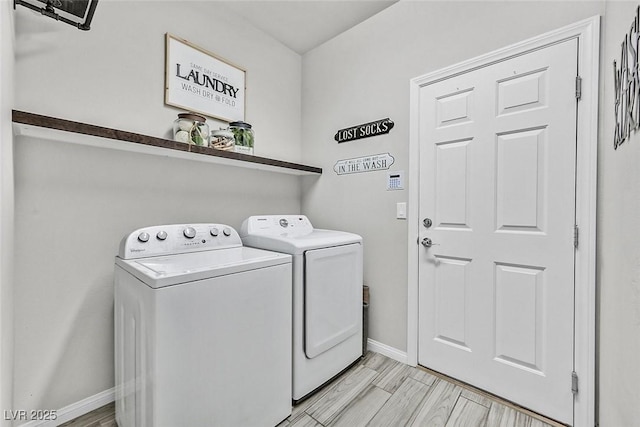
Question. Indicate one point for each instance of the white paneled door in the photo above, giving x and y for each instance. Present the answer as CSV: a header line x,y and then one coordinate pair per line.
x,y
497,182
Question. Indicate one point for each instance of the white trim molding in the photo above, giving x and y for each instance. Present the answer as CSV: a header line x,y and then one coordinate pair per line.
x,y
587,32
386,350
77,409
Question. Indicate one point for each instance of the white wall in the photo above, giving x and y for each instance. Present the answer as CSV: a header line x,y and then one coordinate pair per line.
x,y
113,75
363,75
6,207
74,203
618,247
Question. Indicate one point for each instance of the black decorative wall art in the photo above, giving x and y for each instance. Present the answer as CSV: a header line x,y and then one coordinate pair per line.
x,y
627,85
379,127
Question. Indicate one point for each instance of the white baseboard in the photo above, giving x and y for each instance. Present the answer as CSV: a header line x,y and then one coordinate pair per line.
x,y
386,350
77,409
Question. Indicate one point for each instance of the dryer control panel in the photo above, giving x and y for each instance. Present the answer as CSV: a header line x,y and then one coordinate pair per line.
x,y
276,225
177,238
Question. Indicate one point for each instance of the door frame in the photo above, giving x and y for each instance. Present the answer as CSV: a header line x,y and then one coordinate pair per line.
x,y
588,34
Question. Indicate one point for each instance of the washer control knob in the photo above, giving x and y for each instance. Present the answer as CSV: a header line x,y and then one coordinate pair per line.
x,y
214,232
226,231
143,237
189,232
284,223
162,235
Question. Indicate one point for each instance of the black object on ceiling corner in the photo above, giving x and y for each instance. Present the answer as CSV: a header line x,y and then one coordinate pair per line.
x,y
77,13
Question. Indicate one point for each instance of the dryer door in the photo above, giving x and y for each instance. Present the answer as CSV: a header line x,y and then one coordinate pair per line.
x,y
332,297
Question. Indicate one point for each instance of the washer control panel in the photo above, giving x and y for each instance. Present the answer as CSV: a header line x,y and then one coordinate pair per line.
x,y
177,238
276,225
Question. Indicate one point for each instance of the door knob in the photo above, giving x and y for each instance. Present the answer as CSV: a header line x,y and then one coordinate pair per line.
x,y
427,242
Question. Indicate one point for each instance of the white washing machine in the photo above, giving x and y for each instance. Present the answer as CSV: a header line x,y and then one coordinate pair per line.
x,y
327,294
202,329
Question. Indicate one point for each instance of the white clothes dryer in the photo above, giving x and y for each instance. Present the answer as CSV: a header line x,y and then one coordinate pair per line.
x,y
202,329
327,294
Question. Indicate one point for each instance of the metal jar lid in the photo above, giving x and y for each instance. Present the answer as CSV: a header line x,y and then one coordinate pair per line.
x,y
240,125
191,116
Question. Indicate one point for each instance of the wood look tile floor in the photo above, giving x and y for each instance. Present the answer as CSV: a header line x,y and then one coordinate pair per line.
x,y
378,391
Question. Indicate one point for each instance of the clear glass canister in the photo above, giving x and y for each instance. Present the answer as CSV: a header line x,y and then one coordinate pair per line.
x,y
191,129
222,139
243,135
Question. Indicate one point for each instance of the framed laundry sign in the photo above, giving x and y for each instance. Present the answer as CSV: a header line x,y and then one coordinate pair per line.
x,y
199,81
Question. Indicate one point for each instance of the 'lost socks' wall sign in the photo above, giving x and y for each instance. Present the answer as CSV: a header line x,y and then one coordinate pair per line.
x,y
379,127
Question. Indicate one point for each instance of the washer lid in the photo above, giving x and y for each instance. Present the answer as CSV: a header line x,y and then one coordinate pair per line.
x,y
161,271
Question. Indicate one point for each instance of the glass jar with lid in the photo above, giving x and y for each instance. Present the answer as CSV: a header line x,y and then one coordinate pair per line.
x,y
243,136
222,139
191,128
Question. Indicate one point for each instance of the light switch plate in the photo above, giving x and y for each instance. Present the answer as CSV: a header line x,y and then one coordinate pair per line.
x,y
401,210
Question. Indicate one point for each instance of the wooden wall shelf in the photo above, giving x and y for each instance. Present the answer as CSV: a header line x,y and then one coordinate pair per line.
x,y
52,128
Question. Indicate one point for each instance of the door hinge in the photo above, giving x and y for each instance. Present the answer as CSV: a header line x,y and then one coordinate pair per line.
x,y
578,87
576,234
574,382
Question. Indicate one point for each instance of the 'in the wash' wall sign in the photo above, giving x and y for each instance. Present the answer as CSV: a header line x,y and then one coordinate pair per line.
x,y
370,163
379,127
627,85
